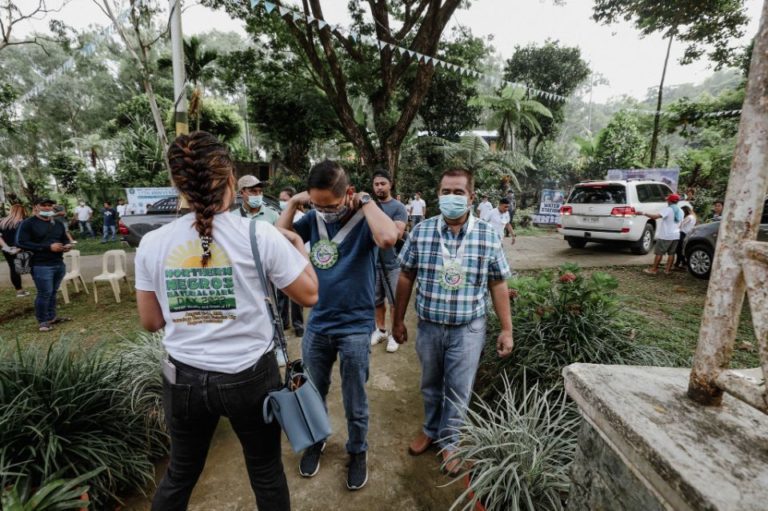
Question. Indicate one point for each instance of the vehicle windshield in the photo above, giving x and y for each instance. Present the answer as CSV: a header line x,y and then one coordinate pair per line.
x,y
598,194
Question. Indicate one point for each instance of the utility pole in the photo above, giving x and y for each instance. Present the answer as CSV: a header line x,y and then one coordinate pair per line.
x,y
179,73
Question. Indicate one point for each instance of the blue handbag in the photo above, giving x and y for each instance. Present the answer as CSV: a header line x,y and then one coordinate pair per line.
x,y
297,406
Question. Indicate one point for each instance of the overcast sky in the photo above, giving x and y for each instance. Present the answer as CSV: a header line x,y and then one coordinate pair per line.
x,y
630,63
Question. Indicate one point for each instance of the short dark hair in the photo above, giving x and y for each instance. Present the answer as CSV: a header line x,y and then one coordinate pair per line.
x,y
459,172
291,191
719,201
107,203
382,174
504,200
328,175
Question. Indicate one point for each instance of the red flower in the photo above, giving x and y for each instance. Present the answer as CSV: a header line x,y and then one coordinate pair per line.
x,y
513,293
567,277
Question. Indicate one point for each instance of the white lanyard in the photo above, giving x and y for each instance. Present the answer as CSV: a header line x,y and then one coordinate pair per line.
x,y
459,251
342,234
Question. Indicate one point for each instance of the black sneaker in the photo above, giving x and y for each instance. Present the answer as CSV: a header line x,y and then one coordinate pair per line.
x,y
357,474
310,460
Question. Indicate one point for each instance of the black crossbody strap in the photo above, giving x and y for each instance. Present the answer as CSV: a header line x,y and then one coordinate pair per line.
x,y
269,297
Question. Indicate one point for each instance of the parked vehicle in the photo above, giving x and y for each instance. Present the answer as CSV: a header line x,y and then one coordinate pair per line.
x,y
700,244
605,212
165,211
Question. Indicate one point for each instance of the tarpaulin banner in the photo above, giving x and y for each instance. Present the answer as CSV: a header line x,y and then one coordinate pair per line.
x,y
549,206
140,198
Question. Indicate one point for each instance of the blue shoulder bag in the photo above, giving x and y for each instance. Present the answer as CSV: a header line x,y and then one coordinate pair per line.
x,y
297,406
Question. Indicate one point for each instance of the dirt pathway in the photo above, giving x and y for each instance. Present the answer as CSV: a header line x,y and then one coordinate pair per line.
x,y
396,479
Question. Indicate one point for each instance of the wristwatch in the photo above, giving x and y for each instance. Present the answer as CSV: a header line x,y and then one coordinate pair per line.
x,y
364,199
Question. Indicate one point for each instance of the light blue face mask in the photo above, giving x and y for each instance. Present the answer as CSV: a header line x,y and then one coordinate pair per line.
x,y
283,205
453,206
255,201
47,214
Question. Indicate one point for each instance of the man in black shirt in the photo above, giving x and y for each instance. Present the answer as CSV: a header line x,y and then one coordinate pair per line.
x,y
47,240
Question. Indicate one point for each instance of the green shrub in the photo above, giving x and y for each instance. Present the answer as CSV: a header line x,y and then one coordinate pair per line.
x,y
517,449
68,412
54,495
560,318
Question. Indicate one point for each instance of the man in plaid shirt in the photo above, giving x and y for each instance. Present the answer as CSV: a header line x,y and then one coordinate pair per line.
x,y
456,259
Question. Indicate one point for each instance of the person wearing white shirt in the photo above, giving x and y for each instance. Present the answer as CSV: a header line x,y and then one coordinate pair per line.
x,y
499,219
484,208
686,226
196,278
84,213
668,234
122,208
418,209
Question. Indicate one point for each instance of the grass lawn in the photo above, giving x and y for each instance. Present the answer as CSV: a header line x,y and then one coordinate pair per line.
x,y
665,311
532,230
105,323
92,246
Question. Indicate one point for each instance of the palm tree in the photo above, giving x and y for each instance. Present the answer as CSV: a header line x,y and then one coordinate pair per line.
x,y
197,67
511,112
474,154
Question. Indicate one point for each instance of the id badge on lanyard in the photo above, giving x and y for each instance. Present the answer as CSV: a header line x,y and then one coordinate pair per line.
x,y
325,252
452,273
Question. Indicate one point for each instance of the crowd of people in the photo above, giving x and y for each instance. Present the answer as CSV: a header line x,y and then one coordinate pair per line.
x,y
346,254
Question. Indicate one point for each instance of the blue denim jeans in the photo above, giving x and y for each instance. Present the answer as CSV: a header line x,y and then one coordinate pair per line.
x,y
47,281
319,354
449,357
85,226
107,229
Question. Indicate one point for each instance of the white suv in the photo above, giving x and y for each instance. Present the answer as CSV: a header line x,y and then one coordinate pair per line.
x,y
604,212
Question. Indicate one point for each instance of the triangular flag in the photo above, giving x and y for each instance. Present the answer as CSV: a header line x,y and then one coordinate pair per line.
x,y
297,16
352,36
282,10
321,24
269,7
254,3
310,19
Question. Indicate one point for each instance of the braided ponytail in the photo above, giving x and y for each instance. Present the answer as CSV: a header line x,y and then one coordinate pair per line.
x,y
201,168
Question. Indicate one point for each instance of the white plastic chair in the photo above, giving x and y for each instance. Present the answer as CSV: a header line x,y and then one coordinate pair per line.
x,y
119,259
73,274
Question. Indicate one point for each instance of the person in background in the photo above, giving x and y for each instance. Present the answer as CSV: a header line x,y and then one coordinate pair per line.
x,y
512,206
500,219
387,266
668,235
252,193
457,262
8,227
418,209
109,218
220,358
84,213
344,228
686,226
47,240
61,216
122,208
291,312
717,211
484,208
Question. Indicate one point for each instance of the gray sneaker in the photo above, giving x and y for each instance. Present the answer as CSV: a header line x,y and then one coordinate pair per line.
x,y
310,460
357,474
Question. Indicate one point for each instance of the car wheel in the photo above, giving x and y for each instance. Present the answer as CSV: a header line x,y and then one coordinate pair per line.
x,y
645,243
576,242
700,260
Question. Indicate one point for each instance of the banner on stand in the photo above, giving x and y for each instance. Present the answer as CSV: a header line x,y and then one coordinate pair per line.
x,y
140,198
549,206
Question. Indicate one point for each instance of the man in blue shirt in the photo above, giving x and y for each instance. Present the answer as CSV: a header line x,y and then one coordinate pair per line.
x,y
344,229
109,216
456,259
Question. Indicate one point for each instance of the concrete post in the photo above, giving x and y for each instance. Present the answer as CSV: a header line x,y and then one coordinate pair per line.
x,y
747,187
179,73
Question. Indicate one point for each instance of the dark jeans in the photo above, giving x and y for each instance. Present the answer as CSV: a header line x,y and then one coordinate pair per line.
x,y
296,316
15,277
680,259
193,406
47,281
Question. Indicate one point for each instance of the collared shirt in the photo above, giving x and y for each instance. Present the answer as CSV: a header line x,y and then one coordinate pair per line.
x,y
484,261
264,214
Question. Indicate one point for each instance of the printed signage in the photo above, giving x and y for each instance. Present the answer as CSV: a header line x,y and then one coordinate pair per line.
x,y
669,177
549,207
140,198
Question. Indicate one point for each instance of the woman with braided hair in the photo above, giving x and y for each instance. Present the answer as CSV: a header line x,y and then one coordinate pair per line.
x,y
196,278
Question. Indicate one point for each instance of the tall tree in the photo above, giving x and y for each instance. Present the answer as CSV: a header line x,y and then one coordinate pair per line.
x,y
619,146
14,12
553,68
343,66
511,112
707,27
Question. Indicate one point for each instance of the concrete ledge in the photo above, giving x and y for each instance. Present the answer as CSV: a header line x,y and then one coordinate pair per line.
x,y
689,457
